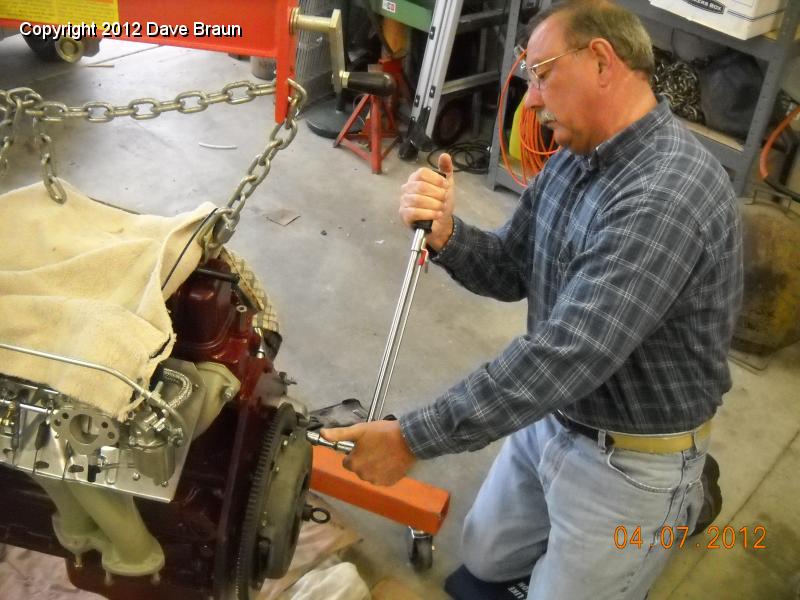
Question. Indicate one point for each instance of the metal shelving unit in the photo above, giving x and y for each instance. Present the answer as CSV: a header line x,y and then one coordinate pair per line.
x,y
776,50
497,173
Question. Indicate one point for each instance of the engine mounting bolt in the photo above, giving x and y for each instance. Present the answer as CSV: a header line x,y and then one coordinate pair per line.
x,y
135,476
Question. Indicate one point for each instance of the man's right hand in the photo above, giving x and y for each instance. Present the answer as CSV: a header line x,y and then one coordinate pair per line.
x,y
427,196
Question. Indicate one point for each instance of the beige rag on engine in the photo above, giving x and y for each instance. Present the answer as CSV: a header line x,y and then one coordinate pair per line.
x,y
83,279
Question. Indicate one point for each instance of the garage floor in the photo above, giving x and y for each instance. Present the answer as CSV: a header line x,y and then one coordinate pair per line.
x,y
334,275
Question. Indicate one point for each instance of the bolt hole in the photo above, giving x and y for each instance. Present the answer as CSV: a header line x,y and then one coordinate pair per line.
x,y
41,464
75,469
65,416
57,422
111,436
104,425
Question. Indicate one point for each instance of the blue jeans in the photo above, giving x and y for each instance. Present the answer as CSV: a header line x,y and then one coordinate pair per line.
x,y
553,501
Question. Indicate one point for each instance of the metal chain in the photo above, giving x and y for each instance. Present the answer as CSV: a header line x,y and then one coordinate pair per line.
x,y
12,106
6,139
677,81
141,109
45,144
260,166
19,102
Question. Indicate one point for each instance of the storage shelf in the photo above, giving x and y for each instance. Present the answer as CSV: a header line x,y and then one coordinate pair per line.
x,y
728,150
763,47
713,134
775,48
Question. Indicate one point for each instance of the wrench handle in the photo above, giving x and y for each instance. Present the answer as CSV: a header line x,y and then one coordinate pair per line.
x,y
428,225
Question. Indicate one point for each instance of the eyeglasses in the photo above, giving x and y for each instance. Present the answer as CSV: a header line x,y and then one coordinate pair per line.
x,y
536,78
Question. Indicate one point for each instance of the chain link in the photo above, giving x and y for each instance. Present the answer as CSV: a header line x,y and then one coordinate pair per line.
x,y
141,109
11,107
49,176
19,102
259,167
6,141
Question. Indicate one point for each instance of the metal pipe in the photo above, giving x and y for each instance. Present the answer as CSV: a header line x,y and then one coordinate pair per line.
x,y
153,398
399,341
26,406
176,377
398,325
80,363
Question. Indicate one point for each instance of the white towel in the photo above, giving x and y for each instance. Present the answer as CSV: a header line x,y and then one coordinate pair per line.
x,y
83,279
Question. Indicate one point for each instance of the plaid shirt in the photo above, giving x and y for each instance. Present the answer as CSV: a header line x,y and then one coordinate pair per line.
x,y
630,260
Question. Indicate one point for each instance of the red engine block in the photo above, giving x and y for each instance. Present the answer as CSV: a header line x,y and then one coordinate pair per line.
x,y
201,528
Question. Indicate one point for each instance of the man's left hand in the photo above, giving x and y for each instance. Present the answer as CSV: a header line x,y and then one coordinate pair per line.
x,y
381,454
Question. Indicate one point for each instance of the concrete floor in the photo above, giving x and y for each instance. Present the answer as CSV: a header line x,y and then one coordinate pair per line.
x,y
334,275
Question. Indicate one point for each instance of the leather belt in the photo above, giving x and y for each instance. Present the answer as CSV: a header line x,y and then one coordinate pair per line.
x,y
651,444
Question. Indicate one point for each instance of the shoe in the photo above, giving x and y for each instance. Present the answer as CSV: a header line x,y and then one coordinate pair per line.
x,y
463,585
712,496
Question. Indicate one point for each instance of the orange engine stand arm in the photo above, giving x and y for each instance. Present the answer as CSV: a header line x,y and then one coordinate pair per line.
x,y
410,502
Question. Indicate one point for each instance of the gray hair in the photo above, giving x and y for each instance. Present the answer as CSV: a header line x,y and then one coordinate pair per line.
x,y
588,19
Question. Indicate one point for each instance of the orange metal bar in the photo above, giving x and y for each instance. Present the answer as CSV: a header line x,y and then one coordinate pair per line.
x,y
410,502
263,30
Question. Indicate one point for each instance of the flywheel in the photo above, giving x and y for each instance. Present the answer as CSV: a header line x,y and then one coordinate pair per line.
x,y
275,505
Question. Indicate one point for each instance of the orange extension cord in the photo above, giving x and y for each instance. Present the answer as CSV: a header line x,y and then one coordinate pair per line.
x,y
535,151
762,162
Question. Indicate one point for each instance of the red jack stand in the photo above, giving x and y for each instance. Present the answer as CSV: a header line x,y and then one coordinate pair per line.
x,y
373,131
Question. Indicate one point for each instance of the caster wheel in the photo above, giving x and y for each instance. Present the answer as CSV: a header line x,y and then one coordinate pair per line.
x,y
420,549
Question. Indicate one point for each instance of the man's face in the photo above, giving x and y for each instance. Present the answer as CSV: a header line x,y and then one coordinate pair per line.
x,y
564,97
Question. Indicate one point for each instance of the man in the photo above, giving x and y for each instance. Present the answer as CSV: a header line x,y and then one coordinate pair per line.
x,y
627,249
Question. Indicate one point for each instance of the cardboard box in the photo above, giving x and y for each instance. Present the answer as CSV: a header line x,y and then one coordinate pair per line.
x,y
742,19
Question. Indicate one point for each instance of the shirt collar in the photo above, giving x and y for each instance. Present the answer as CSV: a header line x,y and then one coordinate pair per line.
x,y
628,139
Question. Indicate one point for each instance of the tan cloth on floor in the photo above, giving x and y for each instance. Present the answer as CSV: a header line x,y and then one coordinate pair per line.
x,y
26,575
83,280
340,581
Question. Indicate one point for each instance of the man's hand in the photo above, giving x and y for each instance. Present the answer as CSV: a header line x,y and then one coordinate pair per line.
x,y
427,196
381,455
